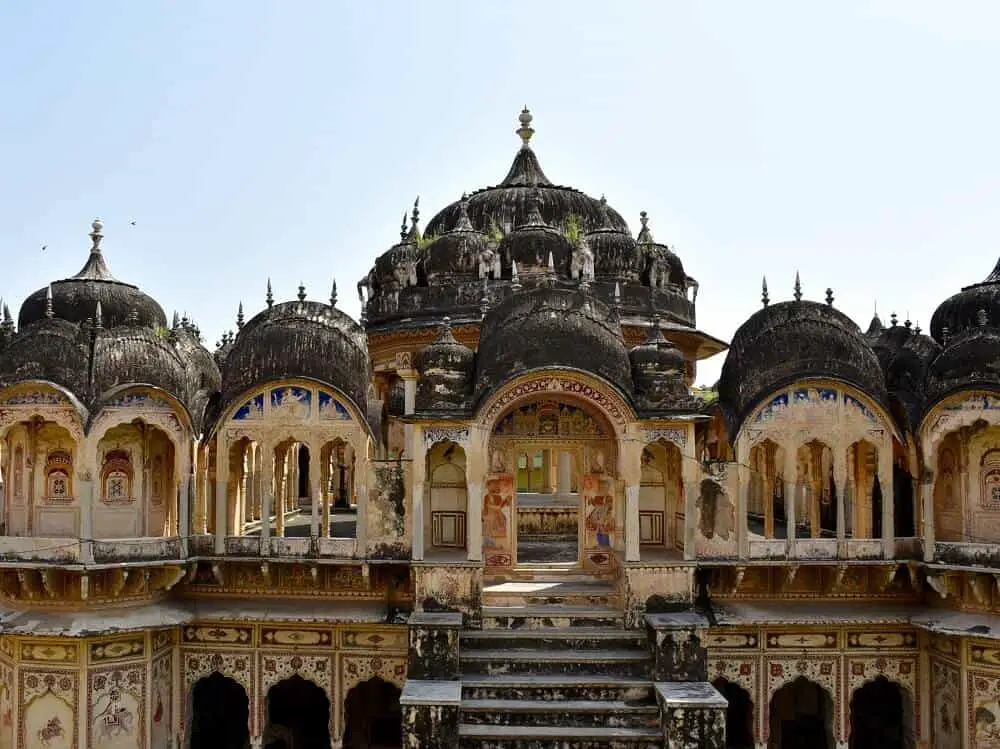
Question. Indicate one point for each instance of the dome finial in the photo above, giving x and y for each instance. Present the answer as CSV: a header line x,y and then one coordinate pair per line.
x,y
907,323
515,281
302,292
333,294
414,220
916,328
269,297
98,316
798,288
829,297
404,230
239,317
764,298
893,319
176,322
463,223
645,235
526,130
617,295
49,311
96,235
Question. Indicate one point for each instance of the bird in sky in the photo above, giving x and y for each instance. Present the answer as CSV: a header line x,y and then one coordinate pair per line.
x,y
44,247
132,222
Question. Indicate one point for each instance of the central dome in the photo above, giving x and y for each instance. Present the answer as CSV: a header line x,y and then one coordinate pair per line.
x,y
508,205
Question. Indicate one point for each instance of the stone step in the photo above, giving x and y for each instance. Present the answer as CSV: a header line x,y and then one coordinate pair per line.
x,y
580,591
612,662
552,615
592,713
557,737
558,687
570,638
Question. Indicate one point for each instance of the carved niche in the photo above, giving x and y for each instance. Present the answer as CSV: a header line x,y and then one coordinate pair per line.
x,y
116,477
58,476
549,419
989,477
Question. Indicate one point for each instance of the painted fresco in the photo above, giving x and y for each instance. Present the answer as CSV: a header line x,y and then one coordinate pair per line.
x,y
160,688
598,520
946,694
331,409
292,402
252,409
498,527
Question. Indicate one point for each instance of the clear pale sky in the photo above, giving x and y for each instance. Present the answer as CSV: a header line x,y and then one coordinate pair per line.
x,y
856,142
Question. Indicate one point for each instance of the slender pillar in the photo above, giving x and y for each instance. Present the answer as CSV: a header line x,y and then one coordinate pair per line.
x,y
547,471
888,501
927,508
791,497
184,497
418,521
564,479
281,490
474,520
314,487
85,492
266,499
632,533
221,494
201,517
839,484
742,512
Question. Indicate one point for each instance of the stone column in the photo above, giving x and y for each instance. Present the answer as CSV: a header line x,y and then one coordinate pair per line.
x,y
281,492
201,516
416,448
183,512
743,478
266,498
547,471
433,645
678,654
85,494
691,478
927,508
839,483
888,501
430,714
564,479
791,497
221,494
632,532
314,488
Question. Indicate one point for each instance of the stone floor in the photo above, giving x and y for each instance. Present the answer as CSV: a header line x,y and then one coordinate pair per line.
x,y
556,549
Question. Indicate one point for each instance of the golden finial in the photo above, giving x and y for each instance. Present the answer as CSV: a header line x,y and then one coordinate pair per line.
x,y
526,130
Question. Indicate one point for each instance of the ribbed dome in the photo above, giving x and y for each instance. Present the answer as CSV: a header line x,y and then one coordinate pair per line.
x,y
446,370
532,244
51,350
791,341
969,360
657,355
659,370
137,355
904,355
616,254
299,339
660,264
396,268
75,299
454,253
961,311
507,205
548,327
202,376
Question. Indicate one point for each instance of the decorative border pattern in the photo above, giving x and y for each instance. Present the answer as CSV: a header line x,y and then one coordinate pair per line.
x,y
611,404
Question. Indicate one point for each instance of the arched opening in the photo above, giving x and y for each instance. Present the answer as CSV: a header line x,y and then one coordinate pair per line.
x,y
661,498
949,496
801,717
766,512
298,716
815,492
337,463
220,714
882,717
372,716
135,489
739,714
552,469
904,508
39,487
864,492
303,473
445,523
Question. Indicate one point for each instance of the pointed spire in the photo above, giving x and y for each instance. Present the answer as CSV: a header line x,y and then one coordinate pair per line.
x,y
916,328
96,235
551,263
525,171
526,130
415,220
239,317
645,235
893,319
764,298
49,311
269,297
907,324
403,228
302,292
798,288
829,297
515,281
462,223
333,293
98,316
617,296
95,269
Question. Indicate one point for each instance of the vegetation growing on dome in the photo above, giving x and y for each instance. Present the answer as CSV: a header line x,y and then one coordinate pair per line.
x,y
572,231
426,240
494,233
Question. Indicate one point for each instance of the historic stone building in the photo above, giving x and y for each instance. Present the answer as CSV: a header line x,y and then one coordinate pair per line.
x,y
493,513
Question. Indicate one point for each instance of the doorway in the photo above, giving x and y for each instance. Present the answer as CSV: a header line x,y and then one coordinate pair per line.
x,y
801,717
298,716
548,506
220,714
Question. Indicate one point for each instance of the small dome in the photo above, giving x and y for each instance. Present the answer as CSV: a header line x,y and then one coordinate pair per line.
x,y
299,339
202,375
616,254
969,360
456,252
660,264
396,268
509,204
137,355
659,370
791,341
75,298
904,355
52,350
446,369
549,327
533,244
961,311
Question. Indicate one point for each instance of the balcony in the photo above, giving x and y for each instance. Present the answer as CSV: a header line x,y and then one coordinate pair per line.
x,y
967,555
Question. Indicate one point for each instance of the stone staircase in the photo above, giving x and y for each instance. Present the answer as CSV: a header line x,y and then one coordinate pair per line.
x,y
554,668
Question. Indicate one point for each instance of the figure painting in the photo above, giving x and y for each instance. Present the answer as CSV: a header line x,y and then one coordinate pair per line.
x,y
252,409
331,409
6,714
498,511
291,402
598,520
